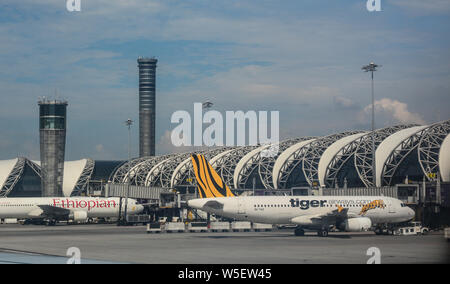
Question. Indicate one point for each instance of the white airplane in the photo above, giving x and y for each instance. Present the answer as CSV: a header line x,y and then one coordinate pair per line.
x,y
348,213
55,209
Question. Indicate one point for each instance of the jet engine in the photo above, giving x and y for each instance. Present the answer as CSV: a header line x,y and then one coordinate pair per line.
x,y
79,216
356,224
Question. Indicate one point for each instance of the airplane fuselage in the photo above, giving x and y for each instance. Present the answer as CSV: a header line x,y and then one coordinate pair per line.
x,y
302,209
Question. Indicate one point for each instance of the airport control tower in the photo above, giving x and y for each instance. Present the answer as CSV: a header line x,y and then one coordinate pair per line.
x,y
147,109
52,132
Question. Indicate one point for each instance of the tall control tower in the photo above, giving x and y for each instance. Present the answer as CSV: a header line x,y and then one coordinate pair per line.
x,y
52,132
147,102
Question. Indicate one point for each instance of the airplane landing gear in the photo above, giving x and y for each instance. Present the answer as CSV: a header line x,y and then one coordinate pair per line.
x,y
51,222
322,233
299,231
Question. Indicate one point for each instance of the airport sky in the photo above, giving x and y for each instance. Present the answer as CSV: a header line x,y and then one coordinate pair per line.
x,y
301,58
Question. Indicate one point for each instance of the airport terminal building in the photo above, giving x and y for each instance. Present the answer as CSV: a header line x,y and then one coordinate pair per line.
x,y
404,154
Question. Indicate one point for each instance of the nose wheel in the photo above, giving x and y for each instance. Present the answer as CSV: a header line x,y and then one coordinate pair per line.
x,y
322,233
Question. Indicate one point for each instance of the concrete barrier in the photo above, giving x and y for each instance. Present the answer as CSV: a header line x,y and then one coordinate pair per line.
x,y
259,227
239,226
171,227
198,227
219,226
10,221
154,228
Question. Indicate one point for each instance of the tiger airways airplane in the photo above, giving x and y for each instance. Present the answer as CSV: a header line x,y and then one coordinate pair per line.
x,y
320,213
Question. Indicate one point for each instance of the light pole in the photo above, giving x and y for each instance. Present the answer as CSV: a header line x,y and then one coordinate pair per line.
x,y
205,107
128,123
372,67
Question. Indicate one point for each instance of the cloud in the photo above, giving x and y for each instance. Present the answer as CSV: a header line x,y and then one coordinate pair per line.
x,y
99,148
345,103
165,145
388,111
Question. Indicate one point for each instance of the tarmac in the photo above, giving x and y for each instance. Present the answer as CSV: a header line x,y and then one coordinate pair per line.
x,y
108,243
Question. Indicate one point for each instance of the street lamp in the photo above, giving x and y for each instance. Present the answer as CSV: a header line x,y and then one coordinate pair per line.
x,y
372,67
205,107
128,123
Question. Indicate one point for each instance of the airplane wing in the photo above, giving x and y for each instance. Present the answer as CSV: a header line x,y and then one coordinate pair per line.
x,y
325,218
53,212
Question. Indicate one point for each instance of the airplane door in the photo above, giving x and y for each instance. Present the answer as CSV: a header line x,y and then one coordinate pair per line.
x,y
391,206
241,206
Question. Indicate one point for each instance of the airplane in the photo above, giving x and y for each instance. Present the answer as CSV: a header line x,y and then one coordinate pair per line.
x,y
320,213
53,209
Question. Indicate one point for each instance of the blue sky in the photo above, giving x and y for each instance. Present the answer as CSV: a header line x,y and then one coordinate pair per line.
x,y
301,58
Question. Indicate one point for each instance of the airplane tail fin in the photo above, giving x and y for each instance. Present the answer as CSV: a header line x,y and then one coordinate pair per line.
x,y
208,181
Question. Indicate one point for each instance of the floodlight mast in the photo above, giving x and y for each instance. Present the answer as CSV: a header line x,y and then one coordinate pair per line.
x,y
372,67
205,107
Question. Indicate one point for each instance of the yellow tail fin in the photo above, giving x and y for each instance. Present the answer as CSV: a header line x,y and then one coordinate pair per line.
x,y
208,181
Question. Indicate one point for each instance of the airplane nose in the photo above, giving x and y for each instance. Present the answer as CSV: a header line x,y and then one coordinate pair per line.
x,y
410,213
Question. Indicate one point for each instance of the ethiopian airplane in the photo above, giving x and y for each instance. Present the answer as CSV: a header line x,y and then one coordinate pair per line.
x,y
55,209
347,213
